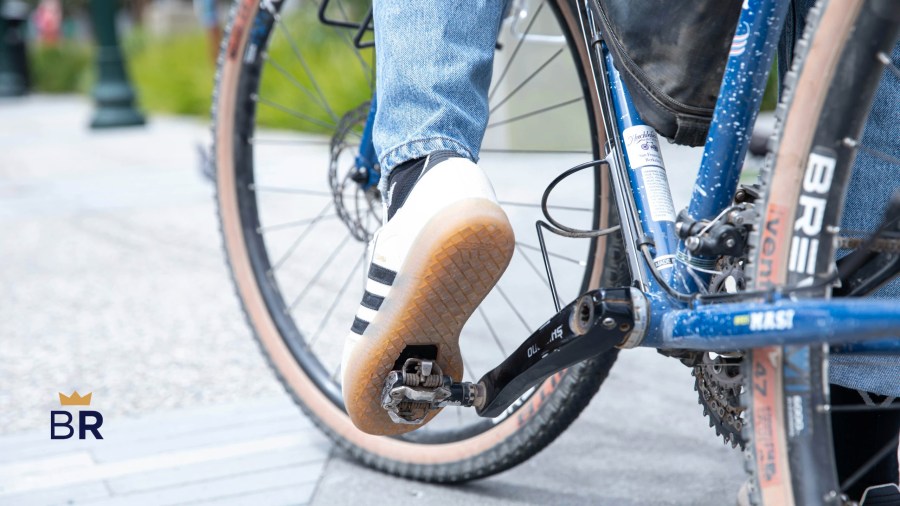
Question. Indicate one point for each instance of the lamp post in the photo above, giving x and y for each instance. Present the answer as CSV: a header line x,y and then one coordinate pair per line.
x,y
113,94
12,78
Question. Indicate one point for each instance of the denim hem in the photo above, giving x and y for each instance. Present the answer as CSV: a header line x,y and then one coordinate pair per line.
x,y
418,149
872,373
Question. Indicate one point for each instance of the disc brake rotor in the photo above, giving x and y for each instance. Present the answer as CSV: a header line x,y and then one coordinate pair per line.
x,y
358,206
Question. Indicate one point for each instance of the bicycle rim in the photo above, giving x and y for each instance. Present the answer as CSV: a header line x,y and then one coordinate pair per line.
x,y
787,423
255,205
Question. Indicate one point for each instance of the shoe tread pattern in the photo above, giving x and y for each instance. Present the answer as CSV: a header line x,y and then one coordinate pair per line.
x,y
455,261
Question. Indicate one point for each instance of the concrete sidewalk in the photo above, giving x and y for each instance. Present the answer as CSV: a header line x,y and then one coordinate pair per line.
x,y
115,284
262,452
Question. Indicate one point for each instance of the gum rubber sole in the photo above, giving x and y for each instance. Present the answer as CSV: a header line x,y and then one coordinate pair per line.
x,y
454,262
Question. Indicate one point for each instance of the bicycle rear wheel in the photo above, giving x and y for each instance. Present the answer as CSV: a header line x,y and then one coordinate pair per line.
x,y
295,223
828,96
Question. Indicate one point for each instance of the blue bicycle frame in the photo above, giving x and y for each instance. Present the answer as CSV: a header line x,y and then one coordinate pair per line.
x,y
644,201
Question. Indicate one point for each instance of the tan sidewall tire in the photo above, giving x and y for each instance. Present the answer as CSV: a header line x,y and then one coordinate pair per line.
x,y
280,356
776,231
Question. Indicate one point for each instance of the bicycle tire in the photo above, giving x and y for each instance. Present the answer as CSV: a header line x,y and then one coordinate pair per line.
x,y
790,453
533,423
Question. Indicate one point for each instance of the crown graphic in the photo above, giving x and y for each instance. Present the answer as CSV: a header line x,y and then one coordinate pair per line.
x,y
75,399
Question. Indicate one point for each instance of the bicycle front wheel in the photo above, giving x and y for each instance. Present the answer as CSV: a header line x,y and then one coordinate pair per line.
x,y
828,94
291,99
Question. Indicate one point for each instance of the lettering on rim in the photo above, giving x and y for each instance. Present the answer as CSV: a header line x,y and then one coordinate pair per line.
x,y
767,418
811,209
772,245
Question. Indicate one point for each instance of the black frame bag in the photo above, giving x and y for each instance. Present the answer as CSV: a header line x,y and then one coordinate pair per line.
x,y
671,55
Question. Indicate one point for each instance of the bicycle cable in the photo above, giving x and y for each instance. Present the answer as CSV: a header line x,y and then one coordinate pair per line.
x,y
557,227
646,243
770,293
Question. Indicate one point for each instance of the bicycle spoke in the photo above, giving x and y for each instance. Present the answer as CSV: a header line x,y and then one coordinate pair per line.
x,y
552,254
874,459
298,85
513,307
535,112
373,212
345,36
299,239
541,275
886,59
366,69
526,81
856,409
492,331
356,199
537,151
291,112
290,224
337,299
314,269
515,52
877,154
322,269
300,57
281,189
529,204
257,140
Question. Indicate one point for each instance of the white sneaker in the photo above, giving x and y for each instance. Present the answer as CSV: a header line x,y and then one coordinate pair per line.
x,y
440,253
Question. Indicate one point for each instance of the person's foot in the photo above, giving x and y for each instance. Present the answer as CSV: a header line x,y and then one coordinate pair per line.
x,y
445,245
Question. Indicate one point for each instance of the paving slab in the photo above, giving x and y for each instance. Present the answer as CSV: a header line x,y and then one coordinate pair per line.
x,y
234,457
117,286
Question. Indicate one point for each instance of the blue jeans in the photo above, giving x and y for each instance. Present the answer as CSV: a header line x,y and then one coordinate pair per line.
x,y
434,63
872,184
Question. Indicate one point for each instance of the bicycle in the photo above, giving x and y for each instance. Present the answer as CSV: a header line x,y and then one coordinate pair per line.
x,y
757,344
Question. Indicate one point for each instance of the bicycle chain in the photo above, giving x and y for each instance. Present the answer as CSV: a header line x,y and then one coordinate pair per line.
x,y
720,397
718,386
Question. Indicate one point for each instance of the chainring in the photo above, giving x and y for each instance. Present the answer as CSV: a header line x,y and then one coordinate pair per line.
x,y
718,382
717,378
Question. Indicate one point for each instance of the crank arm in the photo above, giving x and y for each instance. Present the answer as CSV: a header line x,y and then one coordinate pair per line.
x,y
596,322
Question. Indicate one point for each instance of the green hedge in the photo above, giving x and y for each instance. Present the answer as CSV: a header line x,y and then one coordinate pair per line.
x,y
60,69
174,74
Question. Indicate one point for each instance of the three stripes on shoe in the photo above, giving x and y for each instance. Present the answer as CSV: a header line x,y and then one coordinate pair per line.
x,y
377,286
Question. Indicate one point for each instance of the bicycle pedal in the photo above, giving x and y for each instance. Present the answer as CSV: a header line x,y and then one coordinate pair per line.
x,y
420,387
